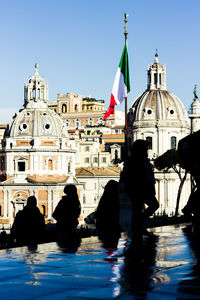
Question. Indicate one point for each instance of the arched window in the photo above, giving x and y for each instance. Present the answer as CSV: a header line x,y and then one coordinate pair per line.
x,y
173,142
75,107
77,123
38,93
34,93
149,142
90,122
69,167
64,108
50,164
100,121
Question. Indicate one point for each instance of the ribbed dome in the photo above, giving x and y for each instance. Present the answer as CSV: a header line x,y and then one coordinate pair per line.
x,y
36,123
159,105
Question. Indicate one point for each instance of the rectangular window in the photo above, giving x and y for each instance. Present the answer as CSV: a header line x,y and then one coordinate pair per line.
x,y
104,159
21,166
95,159
87,149
155,78
173,142
87,159
149,142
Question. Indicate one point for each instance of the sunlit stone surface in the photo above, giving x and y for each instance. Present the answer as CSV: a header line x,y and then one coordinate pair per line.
x,y
165,266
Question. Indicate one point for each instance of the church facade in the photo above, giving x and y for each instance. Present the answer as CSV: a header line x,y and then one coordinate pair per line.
x,y
37,157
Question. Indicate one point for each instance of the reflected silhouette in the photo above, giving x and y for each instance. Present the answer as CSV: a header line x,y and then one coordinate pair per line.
x,y
29,226
107,216
137,273
66,213
69,244
192,286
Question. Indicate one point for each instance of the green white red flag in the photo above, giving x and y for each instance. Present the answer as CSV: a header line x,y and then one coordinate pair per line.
x,y
121,85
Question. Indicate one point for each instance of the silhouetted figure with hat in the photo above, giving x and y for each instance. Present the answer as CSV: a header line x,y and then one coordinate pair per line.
x,y
29,226
139,180
107,215
67,212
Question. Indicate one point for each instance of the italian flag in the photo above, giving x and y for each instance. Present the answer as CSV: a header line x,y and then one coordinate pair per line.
x,y
121,85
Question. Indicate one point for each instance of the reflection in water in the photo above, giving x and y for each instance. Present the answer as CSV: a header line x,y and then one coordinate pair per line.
x,y
133,266
136,276
69,244
192,286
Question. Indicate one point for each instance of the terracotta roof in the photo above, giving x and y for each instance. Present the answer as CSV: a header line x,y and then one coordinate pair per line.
x,y
47,179
108,171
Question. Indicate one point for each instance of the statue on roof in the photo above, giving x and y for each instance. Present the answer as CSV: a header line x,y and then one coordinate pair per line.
x,y
195,92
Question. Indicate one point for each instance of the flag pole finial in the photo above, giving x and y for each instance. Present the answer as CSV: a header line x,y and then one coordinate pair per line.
x,y
125,25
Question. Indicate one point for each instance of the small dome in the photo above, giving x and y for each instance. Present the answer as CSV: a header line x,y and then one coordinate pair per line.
x,y
36,123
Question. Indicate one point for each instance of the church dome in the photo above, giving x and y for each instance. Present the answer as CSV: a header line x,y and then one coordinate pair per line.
x,y
159,105
36,119
157,115
36,123
156,104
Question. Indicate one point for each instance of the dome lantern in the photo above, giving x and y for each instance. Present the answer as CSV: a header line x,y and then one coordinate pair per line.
x,y
156,75
36,91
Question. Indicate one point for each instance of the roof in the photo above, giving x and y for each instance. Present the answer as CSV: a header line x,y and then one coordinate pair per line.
x,y
47,179
108,171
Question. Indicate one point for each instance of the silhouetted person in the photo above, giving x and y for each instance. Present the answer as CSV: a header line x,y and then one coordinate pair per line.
x,y
67,212
29,226
139,180
107,215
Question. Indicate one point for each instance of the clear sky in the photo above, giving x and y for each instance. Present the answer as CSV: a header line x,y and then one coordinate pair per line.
x,y
78,44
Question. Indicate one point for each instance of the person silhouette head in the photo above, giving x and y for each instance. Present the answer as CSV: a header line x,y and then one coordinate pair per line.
x,y
139,149
70,189
31,201
111,186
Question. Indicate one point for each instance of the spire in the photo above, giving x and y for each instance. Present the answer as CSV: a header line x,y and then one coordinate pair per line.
x,y
156,61
36,69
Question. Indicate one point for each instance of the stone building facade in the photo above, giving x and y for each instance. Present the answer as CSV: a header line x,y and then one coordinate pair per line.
x,y
37,157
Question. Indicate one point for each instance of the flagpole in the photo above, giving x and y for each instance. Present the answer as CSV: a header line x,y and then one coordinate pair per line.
x,y
125,127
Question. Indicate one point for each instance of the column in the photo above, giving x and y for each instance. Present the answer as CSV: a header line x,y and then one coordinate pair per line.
x,y
49,204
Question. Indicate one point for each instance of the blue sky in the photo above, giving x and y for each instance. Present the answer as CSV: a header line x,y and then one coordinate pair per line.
x,y
78,44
